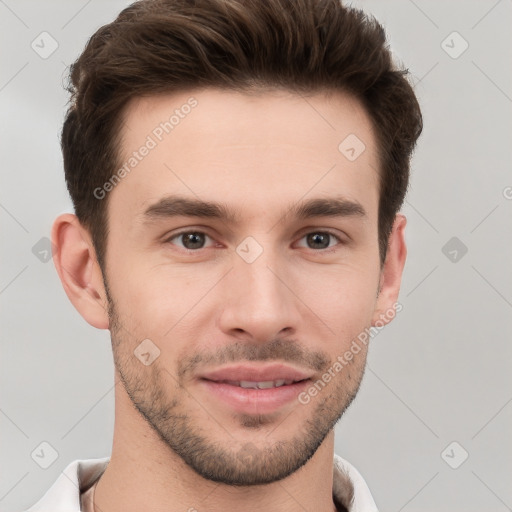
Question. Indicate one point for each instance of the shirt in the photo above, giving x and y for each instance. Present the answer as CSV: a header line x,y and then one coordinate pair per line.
x,y
74,488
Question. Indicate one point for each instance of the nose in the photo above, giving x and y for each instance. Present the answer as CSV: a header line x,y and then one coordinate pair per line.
x,y
258,301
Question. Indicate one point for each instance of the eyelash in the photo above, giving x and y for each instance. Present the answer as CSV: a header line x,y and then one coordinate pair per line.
x,y
194,251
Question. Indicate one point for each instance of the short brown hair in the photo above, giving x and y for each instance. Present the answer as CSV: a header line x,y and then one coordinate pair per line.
x,y
165,46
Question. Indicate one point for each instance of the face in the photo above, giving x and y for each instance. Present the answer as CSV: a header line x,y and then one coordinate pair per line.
x,y
242,262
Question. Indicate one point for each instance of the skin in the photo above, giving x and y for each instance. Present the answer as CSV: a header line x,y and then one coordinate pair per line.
x,y
258,154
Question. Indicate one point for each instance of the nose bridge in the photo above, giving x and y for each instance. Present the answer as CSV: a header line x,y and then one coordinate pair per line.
x,y
265,285
259,302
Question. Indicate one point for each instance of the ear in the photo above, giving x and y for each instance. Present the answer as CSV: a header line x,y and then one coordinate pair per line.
x,y
76,263
391,274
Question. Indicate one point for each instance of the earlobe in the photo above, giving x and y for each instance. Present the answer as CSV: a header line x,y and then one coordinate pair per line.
x,y
391,274
78,269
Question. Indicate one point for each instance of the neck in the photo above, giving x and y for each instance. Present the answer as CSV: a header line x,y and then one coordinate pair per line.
x,y
145,474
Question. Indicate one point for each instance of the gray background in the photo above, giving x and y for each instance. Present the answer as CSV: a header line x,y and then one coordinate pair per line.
x,y
439,373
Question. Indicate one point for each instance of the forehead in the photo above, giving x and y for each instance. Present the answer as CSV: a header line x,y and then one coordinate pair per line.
x,y
252,151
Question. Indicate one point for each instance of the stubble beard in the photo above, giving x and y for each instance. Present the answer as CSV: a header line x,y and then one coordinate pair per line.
x,y
228,460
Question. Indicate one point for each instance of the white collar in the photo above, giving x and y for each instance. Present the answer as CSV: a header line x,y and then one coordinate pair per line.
x,y
79,475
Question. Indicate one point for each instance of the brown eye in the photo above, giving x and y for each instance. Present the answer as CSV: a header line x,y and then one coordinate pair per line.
x,y
321,240
190,240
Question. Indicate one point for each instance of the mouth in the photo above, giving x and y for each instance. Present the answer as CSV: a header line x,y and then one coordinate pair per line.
x,y
268,375
265,384
251,389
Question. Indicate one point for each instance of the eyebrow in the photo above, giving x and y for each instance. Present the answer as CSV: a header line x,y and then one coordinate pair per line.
x,y
173,206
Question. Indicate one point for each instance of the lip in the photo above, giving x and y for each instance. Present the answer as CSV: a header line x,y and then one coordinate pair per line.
x,y
254,373
249,400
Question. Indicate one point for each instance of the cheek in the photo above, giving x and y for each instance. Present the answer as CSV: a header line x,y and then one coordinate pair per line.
x,y
157,301
345,301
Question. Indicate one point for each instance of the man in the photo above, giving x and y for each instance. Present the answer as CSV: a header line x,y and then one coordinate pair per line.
x,y
237,168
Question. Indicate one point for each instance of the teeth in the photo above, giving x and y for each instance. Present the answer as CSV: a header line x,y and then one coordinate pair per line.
x,y
247,384
261,385
266,384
